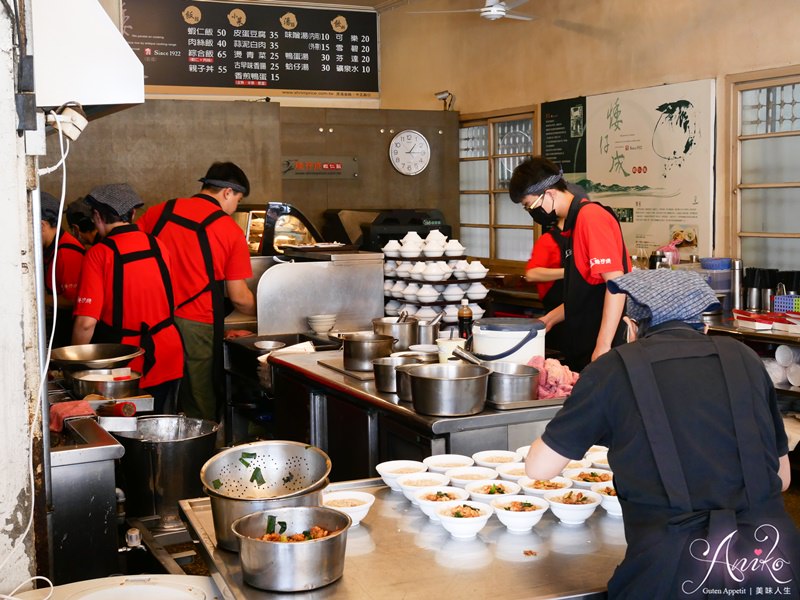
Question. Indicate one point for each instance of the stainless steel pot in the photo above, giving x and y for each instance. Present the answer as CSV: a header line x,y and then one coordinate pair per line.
x,y
508,382
82,357
297,566
227,510
405,333
83,383
448,389
360,349
427,332
403,382
385,377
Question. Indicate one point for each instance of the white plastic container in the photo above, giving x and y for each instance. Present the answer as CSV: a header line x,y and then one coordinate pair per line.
x,y
493,337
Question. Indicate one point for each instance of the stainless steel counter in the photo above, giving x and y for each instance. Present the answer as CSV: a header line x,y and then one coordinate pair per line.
x,y
308,366
397,552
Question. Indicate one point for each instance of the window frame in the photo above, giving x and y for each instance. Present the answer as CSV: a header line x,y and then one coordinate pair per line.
x,y
736,84
490,119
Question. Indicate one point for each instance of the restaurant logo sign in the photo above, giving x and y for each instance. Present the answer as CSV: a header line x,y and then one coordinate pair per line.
x,y
320,167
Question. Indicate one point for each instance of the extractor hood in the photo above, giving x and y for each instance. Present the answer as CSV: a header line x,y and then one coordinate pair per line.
x,y
79,55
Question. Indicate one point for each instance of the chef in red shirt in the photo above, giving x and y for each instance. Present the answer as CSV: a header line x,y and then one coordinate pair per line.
x,y
125,294
595,254
211,257
63,250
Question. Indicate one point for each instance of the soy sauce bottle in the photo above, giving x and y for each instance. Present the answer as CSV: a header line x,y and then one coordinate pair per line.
x,y
464,319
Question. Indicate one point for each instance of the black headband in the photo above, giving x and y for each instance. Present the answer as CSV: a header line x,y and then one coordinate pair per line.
x,y
223,184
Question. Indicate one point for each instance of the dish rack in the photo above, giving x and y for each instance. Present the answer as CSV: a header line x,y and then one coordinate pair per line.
x,y
440,303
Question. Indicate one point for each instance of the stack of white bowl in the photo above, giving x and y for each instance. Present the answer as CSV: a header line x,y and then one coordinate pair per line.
x,y
322,323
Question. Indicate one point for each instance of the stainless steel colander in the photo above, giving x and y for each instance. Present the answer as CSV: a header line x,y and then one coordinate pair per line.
x,y
266,469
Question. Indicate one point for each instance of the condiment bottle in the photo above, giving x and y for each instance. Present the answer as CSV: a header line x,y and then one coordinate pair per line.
x,y
464,319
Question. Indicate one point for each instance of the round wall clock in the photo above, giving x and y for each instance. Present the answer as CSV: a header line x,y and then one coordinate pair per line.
x,y
409,152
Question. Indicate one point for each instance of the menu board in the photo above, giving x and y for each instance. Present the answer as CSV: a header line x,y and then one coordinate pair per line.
x,y
214,47
650,157
564,133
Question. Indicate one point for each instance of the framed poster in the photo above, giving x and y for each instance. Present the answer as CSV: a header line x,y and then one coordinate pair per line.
x,y
650,157
564,134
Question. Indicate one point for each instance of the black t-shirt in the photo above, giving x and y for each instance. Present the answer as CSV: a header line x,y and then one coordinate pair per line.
x,y
602,410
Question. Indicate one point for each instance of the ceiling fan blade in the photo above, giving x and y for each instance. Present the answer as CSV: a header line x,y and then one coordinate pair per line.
x,y
440,12
519,17
514,4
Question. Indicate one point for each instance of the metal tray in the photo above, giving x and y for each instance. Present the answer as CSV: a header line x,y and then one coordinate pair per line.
x,y
525,404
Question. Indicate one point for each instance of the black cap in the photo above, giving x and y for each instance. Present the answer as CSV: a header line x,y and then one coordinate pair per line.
x,y
120,197
49,207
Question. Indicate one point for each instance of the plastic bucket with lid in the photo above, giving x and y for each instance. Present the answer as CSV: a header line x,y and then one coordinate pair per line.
x,y
508,339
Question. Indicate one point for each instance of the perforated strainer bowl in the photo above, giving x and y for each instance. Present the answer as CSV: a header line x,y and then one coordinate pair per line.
x,y
269,469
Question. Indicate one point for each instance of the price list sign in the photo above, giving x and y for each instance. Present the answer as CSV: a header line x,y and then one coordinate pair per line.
x,y
207,47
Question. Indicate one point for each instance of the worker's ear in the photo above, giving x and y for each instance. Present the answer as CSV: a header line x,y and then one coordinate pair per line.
x,y
633,329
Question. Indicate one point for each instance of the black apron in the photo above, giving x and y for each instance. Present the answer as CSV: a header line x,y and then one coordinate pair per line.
x,y
215,286
556,338
114,332
583,302
662,559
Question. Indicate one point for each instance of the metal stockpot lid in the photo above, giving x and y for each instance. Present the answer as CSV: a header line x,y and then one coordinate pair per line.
x,y
509,324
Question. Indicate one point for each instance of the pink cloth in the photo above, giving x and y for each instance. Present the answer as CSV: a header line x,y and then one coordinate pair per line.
x,y
555,379
64,410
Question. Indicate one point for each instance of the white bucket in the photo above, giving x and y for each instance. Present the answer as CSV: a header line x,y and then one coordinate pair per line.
x,y
491,338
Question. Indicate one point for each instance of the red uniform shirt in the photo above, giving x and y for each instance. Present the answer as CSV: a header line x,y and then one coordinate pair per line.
x,y
68,266
144,300
231,255
545,254
597,244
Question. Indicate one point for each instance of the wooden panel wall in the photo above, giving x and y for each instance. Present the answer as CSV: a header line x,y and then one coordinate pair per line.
x,y
163,146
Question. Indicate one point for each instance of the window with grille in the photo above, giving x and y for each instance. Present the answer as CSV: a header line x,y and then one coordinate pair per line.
x,y
493,227
766,185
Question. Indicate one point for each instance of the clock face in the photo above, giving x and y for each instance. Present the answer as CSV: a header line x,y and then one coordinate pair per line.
x,y
409,152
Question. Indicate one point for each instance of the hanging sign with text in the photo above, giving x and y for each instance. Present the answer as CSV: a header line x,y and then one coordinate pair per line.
x,y
228,48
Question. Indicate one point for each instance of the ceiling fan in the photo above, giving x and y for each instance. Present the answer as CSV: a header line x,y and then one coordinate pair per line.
x,y
492,10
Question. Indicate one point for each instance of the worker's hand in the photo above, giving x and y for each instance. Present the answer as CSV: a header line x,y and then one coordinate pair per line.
x,y
599,350
237,333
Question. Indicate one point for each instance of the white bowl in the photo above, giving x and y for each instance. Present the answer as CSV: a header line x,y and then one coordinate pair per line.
x,y
607,501
433,252
410,252
440,463
608,477
460,527
523,451
453,296
572,514
477,295
435,276
511,471
429,348
523,519
583,463
351,502
449,493
477,274
454,251
322,317
477,311
489,489
392,253
599,460
528,488
412,482
459,274
321,328
450,318
493,458
461,476
392,469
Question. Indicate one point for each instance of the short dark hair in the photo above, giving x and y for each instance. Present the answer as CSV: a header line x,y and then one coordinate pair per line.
x,y
109,215
226,171
530,172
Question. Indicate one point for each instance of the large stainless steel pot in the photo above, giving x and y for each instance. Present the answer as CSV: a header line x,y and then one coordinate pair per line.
x,y
87,382
385,377
225,511
296,566
405,333
508,382
448,389
161,461
360,349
